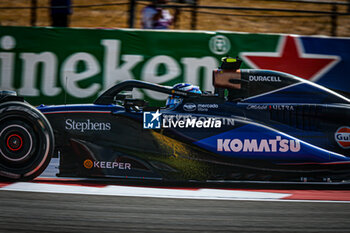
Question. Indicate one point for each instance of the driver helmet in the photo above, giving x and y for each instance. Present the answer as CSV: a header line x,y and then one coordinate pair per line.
x,y
174,100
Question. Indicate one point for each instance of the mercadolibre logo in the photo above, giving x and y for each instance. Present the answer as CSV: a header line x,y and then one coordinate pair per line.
x,y
64,74
255,145
87,125
189,107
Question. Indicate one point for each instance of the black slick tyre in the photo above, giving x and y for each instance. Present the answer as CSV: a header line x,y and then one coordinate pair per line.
x,y
26,141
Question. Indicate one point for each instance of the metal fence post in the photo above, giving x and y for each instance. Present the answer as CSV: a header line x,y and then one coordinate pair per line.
x,y
33,12
132,13
334,19
194,15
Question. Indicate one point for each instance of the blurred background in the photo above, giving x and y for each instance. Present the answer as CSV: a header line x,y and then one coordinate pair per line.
x,y
305,17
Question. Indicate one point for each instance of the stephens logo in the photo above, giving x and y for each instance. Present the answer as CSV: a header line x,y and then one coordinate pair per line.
x,y
255,145
342,137
87,125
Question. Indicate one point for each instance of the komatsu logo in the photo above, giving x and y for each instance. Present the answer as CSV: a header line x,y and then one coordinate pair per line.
x,y
257,145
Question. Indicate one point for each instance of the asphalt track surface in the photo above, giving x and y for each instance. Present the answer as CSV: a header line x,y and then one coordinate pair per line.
x,y
26,211
40,212
23,211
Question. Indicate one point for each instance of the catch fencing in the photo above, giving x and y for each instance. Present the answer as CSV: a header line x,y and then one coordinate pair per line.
x,y
338,9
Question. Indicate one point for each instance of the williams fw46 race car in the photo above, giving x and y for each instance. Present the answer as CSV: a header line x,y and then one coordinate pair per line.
x,y
257,125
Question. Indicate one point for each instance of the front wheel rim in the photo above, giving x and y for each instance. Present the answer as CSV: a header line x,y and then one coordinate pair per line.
x,y
16,143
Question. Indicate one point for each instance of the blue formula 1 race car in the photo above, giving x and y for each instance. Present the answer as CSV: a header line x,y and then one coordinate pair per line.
x,y
257,125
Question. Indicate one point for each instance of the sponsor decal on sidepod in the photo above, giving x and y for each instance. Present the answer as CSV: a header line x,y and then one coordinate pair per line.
x,y
106,165
256,145
342,137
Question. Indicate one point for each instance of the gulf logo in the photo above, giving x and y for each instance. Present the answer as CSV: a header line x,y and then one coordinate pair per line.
x,y
342,137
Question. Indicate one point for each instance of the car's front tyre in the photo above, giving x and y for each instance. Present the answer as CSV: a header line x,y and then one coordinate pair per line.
x,y
26,141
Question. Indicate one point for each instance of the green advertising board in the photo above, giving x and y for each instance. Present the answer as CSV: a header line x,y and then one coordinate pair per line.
x,y
58,65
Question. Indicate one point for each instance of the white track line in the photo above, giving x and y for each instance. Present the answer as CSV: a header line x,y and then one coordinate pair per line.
x,y
116,190
126,191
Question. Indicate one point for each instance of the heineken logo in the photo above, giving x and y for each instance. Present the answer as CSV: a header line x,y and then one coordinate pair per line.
x,y
47,73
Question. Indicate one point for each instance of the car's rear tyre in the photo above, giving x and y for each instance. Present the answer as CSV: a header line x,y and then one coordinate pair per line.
x,y
26,141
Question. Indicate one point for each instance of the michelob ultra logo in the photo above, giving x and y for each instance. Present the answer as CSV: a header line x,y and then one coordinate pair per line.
x,y
342,137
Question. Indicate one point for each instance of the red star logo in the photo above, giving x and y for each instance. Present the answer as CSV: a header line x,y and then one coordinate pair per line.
x,y
291,58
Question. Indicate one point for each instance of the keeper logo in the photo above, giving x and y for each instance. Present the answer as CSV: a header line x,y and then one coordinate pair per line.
x,y
88,164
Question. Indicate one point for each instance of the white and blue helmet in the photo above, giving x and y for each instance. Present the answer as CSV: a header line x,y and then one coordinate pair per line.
x,y
174,100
